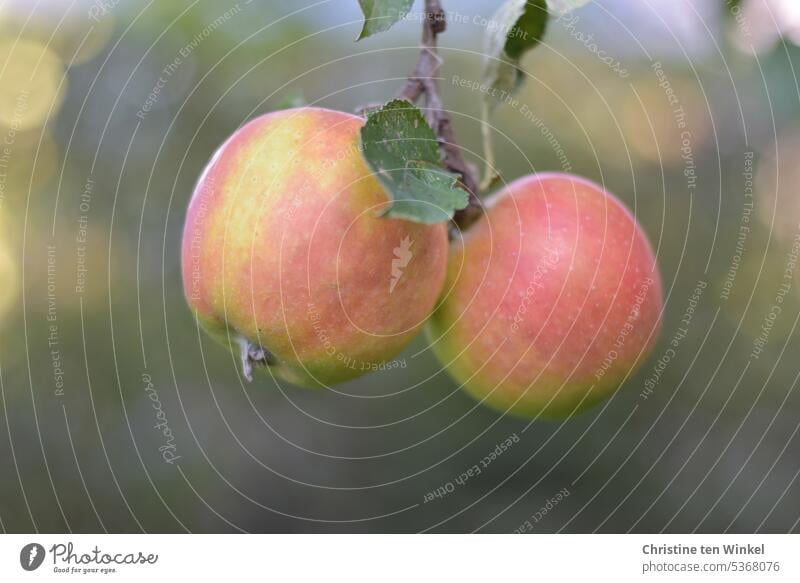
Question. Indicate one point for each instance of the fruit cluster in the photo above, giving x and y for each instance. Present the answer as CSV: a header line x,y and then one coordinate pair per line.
x,y
542,307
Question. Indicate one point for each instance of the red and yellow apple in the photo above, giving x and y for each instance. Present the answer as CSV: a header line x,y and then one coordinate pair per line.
x,y
286,259
552,299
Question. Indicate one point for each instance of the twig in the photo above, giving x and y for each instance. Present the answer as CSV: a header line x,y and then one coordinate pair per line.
x,y
423,82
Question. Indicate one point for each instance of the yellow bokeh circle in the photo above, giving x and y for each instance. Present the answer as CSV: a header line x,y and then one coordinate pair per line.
x,y
32,78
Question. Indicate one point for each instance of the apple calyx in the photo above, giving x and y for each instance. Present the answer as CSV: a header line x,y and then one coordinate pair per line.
x,y
253,354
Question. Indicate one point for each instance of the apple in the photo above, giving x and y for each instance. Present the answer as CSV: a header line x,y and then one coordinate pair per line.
x,y
552,299
286,260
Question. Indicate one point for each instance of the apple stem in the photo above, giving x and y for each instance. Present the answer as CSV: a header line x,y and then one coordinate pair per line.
x,y
423,81
253,354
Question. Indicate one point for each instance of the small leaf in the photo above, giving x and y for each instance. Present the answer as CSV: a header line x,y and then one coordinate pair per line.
x,y
380,15
518,26
402,150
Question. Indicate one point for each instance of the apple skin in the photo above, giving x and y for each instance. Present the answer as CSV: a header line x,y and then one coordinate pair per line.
x,y
552,298
283,249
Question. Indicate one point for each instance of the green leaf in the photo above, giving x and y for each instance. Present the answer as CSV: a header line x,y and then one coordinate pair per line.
x,y
518,26
402,150
380,15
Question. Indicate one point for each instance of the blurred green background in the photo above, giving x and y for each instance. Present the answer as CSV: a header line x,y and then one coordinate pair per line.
x,y
109,110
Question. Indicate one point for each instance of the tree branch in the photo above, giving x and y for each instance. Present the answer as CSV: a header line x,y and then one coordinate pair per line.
x,y
423,81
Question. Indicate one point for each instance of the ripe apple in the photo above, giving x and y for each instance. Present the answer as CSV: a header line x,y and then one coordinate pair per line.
x,y
286,259
552,299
